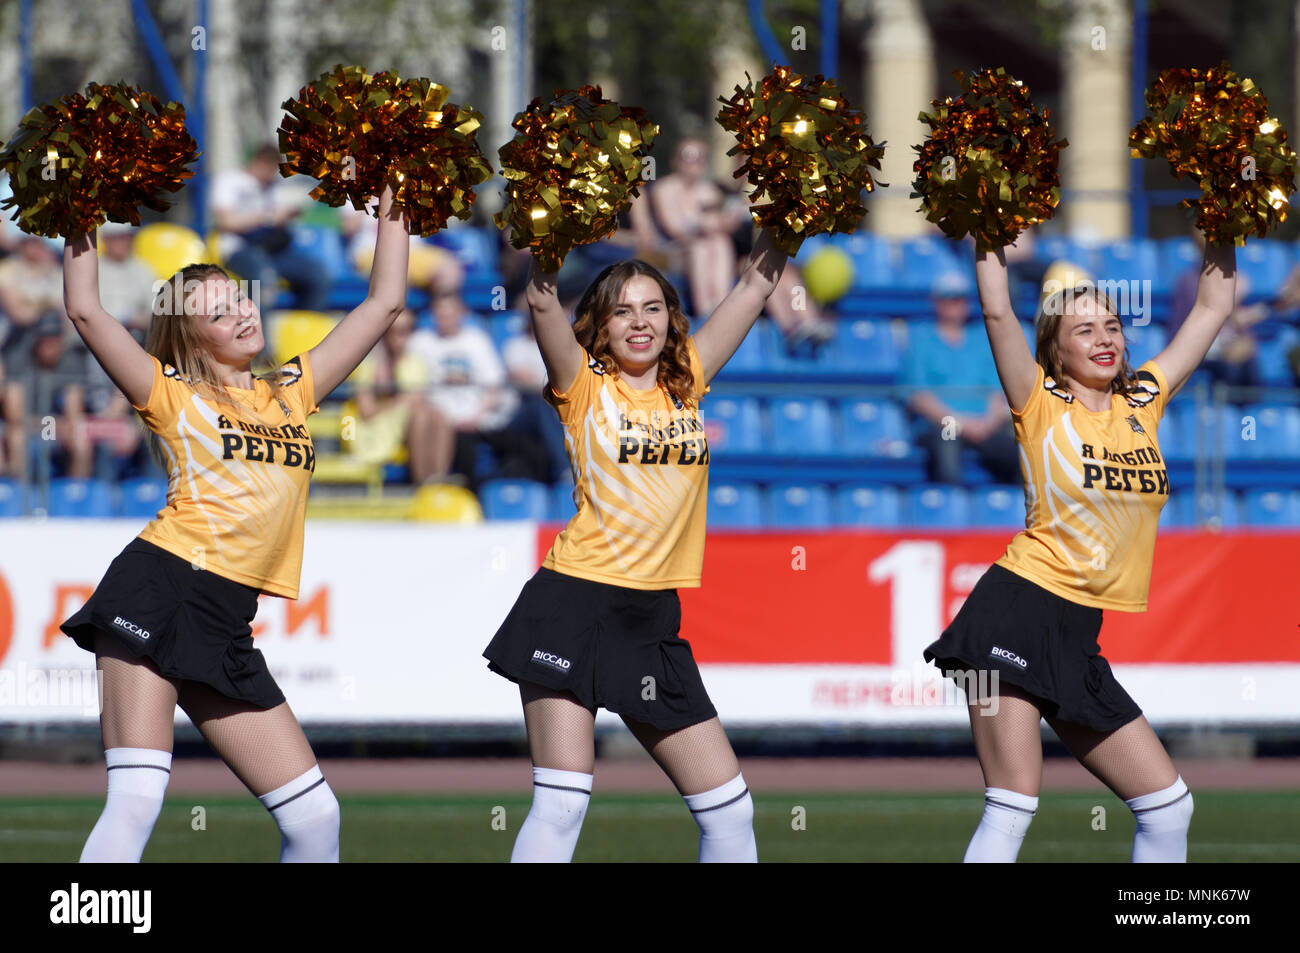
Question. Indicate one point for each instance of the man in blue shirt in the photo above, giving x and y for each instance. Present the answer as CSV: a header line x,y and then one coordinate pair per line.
x,y
955,392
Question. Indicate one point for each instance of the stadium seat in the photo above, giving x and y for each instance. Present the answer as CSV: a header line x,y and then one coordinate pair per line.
x,y
1272,361
937,506
733,424
867,506
1265,265
1209,418
1176,256
443,503
1133,259
142,498
167,248
562,505
1051,249
998,506
1273,508
1143,343
293,332
13,498
475,249
1207,510
74,496
503,325
801,427
873,260
925,258
735,506
873,428
325,247
514,500
751,357
799,505
865,347
1277,432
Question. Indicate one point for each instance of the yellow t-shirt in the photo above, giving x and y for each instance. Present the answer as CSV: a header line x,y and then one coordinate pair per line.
x,y
1094,487
237,486
641,473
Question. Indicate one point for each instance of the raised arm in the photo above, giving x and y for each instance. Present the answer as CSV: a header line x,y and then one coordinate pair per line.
x,y
125,361
561,352
1015,363
1215,298
727,326
334,358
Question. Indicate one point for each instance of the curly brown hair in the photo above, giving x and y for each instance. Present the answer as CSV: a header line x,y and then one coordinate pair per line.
x,y
592,326
1048,325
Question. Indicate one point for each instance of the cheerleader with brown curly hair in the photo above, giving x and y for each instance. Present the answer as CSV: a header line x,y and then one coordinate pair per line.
x,y
597,626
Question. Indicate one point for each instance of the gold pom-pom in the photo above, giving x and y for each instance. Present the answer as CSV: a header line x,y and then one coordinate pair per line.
x,y
1214,127
96,156
989,167
353,131
806,152
572,166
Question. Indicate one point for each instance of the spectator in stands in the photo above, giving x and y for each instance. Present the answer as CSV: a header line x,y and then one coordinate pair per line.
x,y
429,268
468,386
954,389
527,373
256,241
393,404
31,288
54,383
1232,356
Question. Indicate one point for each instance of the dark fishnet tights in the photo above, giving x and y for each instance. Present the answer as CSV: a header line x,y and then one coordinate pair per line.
x,y
1130,760
561,735
264,747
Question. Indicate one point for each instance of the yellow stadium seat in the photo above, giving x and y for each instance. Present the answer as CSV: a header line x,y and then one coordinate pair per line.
x,y
439,503
293,332
167,248
213,247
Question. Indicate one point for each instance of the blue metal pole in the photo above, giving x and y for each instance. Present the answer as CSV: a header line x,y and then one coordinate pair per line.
x,y
1139,212
153,43
198,126
830,38
766,38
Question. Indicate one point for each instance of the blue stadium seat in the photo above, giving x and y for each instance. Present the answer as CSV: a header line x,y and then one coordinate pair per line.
x,y
1265,265
1132,259
503,325
475,248
862,505
923,259
562,505
74,496
142,498
733,424
1273,508
1274,367
873,428
937,506
1143,343
735,506
514,500
13,498
1226,419
799,505
325,246
1221,511
1277,432
801,427
1176,256
752,355
866,347
998,506
1056,248
873,260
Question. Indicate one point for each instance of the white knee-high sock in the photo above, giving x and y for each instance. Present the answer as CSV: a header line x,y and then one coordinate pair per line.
x,y
1002,829
307,814
1162,821
550,832
137,779
726,819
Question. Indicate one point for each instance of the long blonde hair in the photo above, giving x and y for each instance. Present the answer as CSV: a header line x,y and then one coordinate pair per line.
x,y
174,339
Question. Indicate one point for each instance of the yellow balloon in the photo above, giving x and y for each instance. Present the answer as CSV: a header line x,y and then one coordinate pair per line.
x,y
828,274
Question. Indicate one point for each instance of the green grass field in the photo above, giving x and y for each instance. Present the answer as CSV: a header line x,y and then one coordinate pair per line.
x,y
1228,826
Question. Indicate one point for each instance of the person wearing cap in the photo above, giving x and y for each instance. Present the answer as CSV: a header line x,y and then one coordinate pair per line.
x,y
954,389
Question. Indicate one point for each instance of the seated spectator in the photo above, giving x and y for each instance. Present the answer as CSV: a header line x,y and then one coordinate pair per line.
x,y
256,242
527,373
53,381
392,402
430,269
955,391
468,386
125,282
31,288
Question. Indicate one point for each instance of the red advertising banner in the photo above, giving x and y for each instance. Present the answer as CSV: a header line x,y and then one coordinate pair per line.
x,y
856,598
